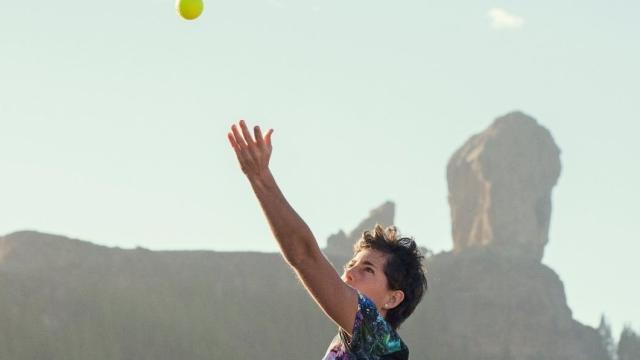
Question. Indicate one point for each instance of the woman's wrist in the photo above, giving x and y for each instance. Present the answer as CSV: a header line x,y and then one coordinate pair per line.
x,y
262,180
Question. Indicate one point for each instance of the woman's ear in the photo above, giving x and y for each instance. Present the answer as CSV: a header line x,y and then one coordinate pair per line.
x,y
396,298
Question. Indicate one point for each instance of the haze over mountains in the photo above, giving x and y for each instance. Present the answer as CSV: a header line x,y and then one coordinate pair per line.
x,y
490,297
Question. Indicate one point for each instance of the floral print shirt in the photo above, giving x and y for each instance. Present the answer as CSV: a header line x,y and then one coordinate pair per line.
x,y
373,338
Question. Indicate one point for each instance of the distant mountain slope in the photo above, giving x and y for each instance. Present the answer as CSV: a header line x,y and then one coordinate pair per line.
x,y
65,299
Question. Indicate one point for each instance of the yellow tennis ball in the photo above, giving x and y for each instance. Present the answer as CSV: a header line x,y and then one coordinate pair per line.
x,y
189,9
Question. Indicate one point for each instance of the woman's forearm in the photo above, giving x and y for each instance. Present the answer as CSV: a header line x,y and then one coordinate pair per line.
x,y
296,240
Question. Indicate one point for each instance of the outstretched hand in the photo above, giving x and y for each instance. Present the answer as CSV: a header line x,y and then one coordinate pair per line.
x,y
253,155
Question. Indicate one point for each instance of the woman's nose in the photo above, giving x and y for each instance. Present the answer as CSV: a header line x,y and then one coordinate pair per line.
x,y
347,276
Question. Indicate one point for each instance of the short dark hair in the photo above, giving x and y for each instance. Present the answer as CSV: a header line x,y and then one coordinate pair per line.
x,y
403,268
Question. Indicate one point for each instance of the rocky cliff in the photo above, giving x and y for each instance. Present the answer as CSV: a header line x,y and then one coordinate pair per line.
x,y
340,244
491,297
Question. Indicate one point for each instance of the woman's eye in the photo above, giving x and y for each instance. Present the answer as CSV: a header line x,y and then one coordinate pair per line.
x,y
370,270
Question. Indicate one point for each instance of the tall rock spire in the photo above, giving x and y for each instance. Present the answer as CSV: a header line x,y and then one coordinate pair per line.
x,y
500,184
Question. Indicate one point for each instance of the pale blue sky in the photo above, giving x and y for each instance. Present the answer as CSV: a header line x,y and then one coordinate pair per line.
x,y
113,120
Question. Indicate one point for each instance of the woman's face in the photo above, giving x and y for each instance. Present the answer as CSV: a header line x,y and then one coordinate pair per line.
x,y
365,272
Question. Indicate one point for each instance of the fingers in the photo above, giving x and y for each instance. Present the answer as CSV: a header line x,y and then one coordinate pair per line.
x,y
242,139
232,140
268,137
256,151
245,132
237,150
258,135
238,137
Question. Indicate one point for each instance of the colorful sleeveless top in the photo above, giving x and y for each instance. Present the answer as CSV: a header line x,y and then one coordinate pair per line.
x,y
373,338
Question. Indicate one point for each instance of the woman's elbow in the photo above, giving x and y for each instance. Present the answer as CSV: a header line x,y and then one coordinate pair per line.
x,y
303,259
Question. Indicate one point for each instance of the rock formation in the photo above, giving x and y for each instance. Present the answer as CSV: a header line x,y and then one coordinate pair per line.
x,y
341,244
500,184
490,297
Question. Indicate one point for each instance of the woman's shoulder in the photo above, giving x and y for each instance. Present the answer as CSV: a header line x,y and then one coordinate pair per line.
x,y
372,334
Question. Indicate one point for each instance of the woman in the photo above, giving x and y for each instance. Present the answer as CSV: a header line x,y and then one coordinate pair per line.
x,y
379,288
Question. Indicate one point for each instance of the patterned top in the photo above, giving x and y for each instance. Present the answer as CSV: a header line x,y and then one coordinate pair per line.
x,y
373,338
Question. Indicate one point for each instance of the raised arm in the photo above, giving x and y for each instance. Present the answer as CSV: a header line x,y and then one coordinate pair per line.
x,y
297,243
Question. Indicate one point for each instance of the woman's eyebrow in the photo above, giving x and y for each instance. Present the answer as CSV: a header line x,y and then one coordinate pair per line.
x,y
367,262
